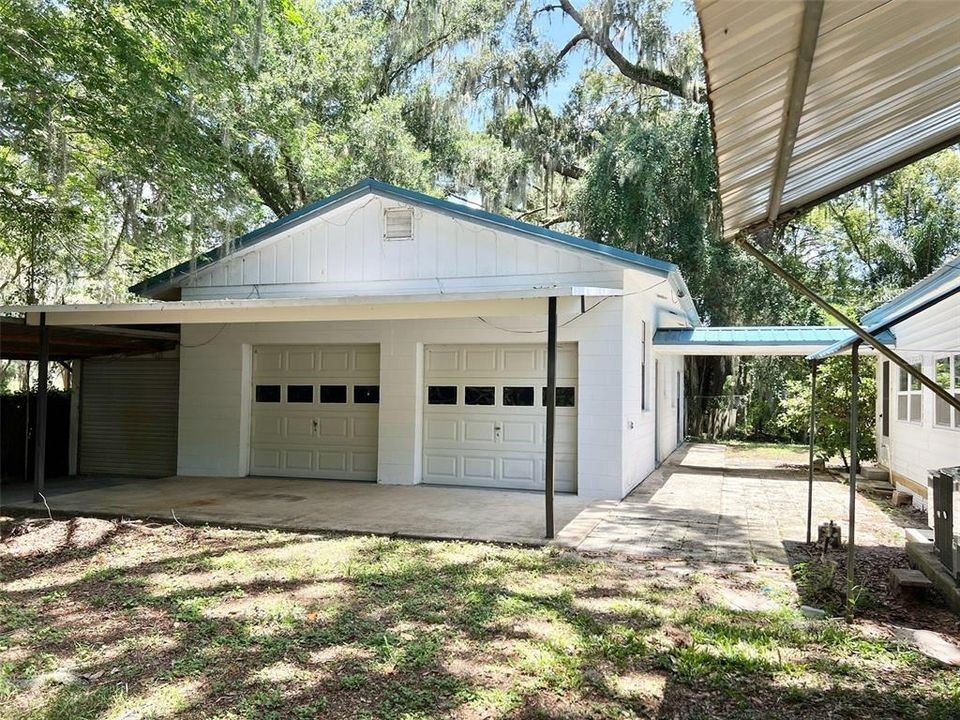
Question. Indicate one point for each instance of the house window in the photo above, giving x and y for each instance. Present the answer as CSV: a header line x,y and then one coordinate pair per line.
x,y
517,396
442,395
643,364
299,393
366,394
909,397
479,395
565,396
267,394
948,375
333,393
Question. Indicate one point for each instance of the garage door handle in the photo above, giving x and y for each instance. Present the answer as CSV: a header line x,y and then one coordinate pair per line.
x,y
316,425
497,429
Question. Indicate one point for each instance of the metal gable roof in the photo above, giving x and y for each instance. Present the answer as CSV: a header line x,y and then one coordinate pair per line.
x,y
943,276
482,217
810,98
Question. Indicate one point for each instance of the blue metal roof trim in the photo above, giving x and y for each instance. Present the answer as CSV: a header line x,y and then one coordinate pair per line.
x,y
784,335
370,185
944,274
886,337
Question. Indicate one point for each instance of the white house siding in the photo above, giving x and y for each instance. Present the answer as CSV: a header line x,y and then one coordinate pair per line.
x,y
915,448
344,253
216,379
647,299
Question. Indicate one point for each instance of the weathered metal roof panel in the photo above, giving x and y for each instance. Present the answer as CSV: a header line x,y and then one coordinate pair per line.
x,y
884,88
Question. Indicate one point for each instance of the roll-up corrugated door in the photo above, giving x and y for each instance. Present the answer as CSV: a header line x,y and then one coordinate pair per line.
x,y
128,416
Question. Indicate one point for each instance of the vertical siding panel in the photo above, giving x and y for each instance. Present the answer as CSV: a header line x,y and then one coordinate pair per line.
x,y
486,253
526,257
548,260
426,246
336,253
300,272
268,264
250,268
506,255
569,262
353,254
234,272
318,252
446,247
378,261
466,241
284,261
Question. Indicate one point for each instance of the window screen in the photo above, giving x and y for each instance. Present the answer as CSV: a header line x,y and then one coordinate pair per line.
x,y
442,395
479,395
514,396
267,394
299,393
333,393
366,394
565,396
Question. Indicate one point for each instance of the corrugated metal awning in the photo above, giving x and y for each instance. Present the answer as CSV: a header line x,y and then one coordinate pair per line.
x,y
810,98
770,340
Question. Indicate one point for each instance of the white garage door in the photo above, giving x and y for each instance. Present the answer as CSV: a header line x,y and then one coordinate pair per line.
x,y
315,411
484,417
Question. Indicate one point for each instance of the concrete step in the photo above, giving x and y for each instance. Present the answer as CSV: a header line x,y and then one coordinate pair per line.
x,y
919,535
908,578
874,472
876,487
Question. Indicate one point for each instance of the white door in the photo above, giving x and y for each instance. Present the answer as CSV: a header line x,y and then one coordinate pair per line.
x,y
315,411
484,421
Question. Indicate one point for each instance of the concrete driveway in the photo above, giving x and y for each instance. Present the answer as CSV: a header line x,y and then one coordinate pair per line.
x,y
710,503
707,503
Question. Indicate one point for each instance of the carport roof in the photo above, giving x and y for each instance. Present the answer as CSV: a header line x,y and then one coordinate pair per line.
x,y
810,98
20,341
764,340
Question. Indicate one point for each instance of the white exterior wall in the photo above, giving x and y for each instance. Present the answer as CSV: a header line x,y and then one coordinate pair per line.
x,y
915,448
343,253
647,299
216,380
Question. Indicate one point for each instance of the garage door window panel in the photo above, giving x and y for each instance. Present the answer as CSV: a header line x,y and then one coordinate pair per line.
x,y
566,397
517,396
480,395
333,394
366,394
267,393
300,394
442,395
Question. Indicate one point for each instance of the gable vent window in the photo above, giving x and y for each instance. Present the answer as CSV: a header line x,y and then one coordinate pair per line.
x,y
398,224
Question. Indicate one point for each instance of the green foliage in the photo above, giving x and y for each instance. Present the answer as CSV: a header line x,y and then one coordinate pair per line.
x,y
833,408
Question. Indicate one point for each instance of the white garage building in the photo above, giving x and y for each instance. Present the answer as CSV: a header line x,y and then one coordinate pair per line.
x,y
387,336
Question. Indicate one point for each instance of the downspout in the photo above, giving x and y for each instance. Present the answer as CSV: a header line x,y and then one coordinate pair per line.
x,y
854,465
813,430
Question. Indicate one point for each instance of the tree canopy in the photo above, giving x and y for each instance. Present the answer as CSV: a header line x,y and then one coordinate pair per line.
x,y
134,133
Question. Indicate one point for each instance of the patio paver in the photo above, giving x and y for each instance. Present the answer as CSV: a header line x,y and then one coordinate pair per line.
x,y
706,504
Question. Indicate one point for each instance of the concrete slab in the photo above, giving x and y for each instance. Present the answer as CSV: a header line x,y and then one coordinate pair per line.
x,y
706,504
316,505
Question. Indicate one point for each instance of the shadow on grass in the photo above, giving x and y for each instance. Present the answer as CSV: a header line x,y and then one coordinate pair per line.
x,y
186,623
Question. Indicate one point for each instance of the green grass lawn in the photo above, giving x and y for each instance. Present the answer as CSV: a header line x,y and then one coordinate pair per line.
x,y
104,620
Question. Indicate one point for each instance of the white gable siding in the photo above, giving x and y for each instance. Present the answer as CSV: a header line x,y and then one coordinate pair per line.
x,y
344,253
914,448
